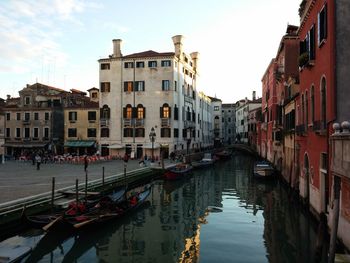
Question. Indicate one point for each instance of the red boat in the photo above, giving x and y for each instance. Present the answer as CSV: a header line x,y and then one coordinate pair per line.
x,y
177,172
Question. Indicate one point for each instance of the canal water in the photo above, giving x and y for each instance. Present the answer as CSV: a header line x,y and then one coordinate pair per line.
x,y
219,214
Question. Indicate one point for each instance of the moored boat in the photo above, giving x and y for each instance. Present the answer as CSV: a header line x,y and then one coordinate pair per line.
x,y
223,155
263,169
205,162
178,171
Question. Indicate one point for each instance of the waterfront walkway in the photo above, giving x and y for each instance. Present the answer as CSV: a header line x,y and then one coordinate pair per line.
x,y
20,179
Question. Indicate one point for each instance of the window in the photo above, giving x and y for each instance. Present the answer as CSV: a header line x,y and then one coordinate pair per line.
x,y
26,132
105,86
165,132
306,108
26,100
312,99
165,85
302,109
127,112
324,161
140,112
27,116
8,116
139,86
36,116
128,132
165,111
322,26
128,86
166,63
176,133
36,133
47,116
72,116
175,85
311,36
72,132
46,133
323,102
18,116
128,64
18,132
176,112
8,132
104,132
105,66
140,64
94,95
105,112
140,132
92,115
216,108
91,132
152,64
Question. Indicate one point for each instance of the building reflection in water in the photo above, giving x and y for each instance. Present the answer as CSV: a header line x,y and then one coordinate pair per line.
x,y
215,215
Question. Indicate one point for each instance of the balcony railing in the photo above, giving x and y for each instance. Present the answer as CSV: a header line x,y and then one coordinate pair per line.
x,y
165,122
300,130
140,122
104,122
26,122
319,126
127,122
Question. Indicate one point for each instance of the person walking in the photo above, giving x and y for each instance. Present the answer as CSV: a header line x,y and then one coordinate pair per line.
x,y
38,161
86,163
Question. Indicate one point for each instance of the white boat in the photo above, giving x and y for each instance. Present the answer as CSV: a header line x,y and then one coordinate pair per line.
x,y
264,169
206,161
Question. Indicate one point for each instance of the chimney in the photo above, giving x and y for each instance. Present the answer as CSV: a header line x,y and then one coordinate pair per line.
x,y
254,95
177,40
8,97
117,53
195,56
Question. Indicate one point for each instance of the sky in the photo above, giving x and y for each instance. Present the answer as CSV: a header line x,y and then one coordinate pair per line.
x,y
58,42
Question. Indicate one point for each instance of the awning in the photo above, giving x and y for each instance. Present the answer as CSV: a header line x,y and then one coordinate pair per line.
x,y
80,143
149,145
24,145
115,146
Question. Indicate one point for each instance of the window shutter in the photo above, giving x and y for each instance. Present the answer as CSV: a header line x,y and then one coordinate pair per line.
x,y
124,112
169,112
144,112
325,22
125,86
161,112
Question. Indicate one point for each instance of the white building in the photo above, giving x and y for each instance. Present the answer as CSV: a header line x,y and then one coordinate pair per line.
x,y
217,121
242,112
150,90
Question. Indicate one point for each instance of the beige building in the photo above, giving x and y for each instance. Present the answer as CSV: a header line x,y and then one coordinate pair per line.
x,y
151,91
81,123
34,121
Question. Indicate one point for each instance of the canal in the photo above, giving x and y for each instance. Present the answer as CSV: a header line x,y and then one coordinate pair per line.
x,y
220,214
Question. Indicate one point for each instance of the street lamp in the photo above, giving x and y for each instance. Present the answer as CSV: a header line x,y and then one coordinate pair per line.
x,y
152,138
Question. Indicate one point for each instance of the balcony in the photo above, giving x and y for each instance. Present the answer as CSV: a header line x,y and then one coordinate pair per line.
x,y
300,130
26,139
264,126
26,122
189,124
127,122
104,122
140,122
340,141
165,122
319,127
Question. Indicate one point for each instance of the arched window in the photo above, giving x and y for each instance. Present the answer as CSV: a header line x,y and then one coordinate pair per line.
x,y
323,102
127,112
302,109
141,112
105,112
312,99
165,111
306,108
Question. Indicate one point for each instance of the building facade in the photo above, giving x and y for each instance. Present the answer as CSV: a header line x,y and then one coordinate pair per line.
x,y
82,123
229,123
150,91
217,121
2,130
34,121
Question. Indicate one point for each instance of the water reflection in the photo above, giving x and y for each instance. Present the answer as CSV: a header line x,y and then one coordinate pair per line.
x,y
217,215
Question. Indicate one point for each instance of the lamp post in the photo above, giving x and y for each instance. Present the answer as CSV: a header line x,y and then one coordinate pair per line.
x,y
152,138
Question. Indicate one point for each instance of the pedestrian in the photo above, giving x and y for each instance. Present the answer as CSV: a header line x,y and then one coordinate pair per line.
x,y
38,161
86,163
126,158
33,158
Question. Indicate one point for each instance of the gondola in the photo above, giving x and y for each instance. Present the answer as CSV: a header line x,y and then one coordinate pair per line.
x,y
178,171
